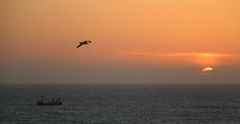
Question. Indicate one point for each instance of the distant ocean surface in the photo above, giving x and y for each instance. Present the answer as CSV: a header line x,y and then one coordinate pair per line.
x,y
121,104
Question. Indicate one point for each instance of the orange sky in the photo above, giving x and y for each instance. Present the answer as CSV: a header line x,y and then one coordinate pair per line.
x,y
126,34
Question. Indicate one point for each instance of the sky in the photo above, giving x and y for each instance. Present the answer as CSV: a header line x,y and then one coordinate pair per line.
x,y
134,41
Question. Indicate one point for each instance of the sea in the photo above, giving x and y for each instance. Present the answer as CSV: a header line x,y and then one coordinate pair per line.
x,y
121,104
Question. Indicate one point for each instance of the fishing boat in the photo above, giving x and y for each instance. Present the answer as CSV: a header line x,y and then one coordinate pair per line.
x,y
52,102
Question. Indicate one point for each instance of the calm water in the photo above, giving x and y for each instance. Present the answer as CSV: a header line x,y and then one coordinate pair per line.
x,y
122,104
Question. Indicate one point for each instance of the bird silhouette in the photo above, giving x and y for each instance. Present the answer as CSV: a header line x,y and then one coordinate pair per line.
x,y
85,42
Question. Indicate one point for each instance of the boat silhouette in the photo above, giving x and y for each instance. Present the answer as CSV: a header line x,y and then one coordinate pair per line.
x,y
43,102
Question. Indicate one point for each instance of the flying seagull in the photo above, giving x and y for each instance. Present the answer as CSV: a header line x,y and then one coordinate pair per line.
x,y
85,42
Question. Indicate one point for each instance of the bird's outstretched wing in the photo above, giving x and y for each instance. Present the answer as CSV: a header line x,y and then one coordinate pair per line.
x,y
79,45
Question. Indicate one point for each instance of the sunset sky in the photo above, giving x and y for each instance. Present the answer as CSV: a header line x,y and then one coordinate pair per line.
x,y
134,41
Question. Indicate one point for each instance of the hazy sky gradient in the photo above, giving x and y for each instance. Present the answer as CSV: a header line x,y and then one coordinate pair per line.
x,y
134,41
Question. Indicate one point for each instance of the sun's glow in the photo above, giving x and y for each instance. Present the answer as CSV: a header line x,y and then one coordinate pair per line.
x,y
206,59
199,58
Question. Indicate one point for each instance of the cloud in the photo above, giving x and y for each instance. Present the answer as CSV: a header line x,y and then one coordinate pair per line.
x,y
180,54
181,58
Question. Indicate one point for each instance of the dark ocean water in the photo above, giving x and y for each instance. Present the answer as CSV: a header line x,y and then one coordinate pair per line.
x,y
122,104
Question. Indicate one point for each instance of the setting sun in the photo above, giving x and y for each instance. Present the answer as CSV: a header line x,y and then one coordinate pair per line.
x,y
207,70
